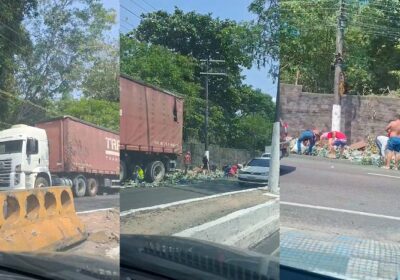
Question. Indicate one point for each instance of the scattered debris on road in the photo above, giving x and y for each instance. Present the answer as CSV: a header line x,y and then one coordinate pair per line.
x,y
103,230
179,177
362,152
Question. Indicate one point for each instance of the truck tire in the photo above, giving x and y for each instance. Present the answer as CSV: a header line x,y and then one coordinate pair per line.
x,y
123,171
41,182
79,186
155,171
92,187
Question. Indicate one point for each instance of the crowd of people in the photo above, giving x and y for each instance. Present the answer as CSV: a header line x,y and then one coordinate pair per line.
x,y
334,139
388,145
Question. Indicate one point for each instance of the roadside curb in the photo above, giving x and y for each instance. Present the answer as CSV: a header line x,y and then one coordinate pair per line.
x,y
180,202
243,228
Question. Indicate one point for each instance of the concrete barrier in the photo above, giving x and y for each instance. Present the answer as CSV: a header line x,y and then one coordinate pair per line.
x,y
244,228
39,219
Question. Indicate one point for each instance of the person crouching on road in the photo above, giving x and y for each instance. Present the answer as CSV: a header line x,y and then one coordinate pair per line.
x,y
381,142
393,145
309,135
336,139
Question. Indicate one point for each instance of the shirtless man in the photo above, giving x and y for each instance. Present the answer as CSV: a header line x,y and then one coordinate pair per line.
x,y
393,145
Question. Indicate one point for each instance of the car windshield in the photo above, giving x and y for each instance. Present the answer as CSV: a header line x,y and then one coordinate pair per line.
x,y
259,162
11,147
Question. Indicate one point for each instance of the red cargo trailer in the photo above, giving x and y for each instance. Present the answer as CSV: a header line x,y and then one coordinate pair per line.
x,y
151,123
82,154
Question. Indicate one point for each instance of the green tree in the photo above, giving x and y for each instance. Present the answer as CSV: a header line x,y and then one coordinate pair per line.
x,y
100,112
14,40
68,39
202,36
102,80
307,35
169,53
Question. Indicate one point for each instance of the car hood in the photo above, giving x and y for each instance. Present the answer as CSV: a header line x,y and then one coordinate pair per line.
x,y
257,169
60,266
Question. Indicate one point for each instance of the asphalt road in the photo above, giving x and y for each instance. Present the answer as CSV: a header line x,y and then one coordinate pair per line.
x,y
97,202
133,198
333,196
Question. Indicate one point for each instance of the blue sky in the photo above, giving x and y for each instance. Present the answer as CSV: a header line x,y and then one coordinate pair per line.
x,y
225,9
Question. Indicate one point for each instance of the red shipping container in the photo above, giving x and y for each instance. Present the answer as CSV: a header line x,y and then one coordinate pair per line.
x,y
79,146
151,119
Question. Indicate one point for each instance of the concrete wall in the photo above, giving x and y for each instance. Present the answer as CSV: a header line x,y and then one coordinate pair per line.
x,y
362,116
218,155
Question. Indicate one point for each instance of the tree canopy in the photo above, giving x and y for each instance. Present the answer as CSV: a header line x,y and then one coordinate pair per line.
x,y
62,53
307,36
166,49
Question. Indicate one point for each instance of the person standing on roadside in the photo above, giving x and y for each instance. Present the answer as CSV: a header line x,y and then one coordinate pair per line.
x,y
206,167
187,160
393,144
308,135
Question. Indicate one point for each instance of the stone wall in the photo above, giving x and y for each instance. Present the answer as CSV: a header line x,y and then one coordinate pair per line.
x,y
218,155
361,116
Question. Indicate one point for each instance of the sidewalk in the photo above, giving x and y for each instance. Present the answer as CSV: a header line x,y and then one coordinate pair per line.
x,y
345,257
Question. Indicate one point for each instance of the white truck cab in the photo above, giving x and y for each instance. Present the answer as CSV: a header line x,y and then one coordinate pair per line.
x,y
24,158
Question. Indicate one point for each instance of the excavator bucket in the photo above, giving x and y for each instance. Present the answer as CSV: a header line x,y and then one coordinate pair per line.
x,y
41,219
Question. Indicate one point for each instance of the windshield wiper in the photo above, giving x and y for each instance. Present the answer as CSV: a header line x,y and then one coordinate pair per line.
x,y
184,258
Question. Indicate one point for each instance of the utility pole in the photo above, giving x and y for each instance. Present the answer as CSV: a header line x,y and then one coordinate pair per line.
x,y
206,74
206,116
274,167
336,109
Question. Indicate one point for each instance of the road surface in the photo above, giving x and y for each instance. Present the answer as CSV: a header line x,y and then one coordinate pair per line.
x,y
133,198
335,197
83,204
337,216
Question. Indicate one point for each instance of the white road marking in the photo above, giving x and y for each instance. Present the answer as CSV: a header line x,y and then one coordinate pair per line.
x,y
384,175
271,195
341,210
162,206
95,210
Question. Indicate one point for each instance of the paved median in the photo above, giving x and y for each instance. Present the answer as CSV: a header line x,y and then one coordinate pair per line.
x,y
240,219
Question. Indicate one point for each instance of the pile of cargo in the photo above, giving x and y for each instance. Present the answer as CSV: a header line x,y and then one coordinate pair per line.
x,y
179,178
367,155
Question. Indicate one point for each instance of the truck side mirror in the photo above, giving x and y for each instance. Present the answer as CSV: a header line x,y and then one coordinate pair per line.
x,y
31,146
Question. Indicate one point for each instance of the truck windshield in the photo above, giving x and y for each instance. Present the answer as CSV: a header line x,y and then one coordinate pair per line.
x,y
10,147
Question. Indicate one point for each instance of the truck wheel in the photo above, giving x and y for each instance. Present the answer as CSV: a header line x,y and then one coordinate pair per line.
x,y
41,182
155,171
123,171
92,187
79,186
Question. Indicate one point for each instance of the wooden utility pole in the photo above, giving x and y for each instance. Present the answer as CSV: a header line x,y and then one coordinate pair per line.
x,y
336,109
207,74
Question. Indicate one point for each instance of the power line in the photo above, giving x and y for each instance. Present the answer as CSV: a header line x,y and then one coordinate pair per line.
x,y
128,23
122,6
371,6
148,4
10,95
140,6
